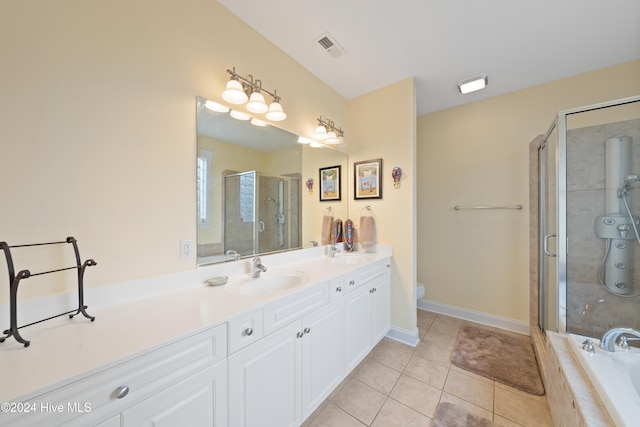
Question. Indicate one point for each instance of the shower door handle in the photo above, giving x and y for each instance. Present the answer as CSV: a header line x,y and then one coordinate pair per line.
x,y
261,226
545,246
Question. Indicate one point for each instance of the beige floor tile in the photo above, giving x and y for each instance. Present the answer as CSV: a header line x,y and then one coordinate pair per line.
x,y
448,319
444,340
472,374
473,409
394,414
417,395
425,371
470,389
446,328
333,416
505,422
392,356
426,315
378,376
360,400
526,410
434,353
397,345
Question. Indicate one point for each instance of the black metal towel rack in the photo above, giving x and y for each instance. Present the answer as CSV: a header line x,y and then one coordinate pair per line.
x,y
14,281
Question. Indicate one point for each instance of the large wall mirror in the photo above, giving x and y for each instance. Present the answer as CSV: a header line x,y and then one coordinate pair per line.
x,y
251,192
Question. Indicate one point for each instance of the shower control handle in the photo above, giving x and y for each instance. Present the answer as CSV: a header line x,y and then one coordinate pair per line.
x,y
545,246
623,229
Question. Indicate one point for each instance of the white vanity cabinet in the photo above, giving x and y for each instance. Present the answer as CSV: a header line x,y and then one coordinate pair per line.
x,y
139,390
198,401
367,311
281,379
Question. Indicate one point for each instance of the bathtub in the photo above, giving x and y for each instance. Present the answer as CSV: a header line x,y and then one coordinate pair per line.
x,y
616,378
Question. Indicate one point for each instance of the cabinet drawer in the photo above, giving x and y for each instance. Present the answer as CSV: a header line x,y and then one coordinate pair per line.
x,y
285,311
245,330
96,396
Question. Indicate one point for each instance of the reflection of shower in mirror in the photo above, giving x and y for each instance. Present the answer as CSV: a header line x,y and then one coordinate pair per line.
x,y
619,227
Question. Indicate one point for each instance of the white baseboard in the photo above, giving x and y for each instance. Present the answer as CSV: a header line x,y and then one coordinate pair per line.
x,y
475,316
411,338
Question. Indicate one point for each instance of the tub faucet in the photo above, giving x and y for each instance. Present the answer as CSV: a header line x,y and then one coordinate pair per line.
x,y
609,338
257,268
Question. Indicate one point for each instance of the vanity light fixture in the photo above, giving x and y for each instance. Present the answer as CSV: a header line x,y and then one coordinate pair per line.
x,y
258,122
473,84
242,89
216,106
239,115
327,132
303,140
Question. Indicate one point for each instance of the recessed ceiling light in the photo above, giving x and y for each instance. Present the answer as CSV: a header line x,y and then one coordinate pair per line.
x,y
473,84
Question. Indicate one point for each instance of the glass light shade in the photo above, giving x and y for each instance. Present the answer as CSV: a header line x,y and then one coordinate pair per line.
x,y
258,122
234,93
321,133
275,112
316,145
215,106
303,140
256,103
332,138
239,115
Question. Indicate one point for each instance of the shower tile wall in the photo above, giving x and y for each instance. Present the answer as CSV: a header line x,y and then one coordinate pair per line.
x,y
591,309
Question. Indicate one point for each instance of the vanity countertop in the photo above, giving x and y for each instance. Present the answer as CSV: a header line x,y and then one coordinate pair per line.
x,y
136,317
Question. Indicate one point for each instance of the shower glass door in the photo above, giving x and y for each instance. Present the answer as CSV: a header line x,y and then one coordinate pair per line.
x,y
547,217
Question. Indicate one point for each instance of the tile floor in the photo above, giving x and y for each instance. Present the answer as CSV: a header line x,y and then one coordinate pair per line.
x,y
399,385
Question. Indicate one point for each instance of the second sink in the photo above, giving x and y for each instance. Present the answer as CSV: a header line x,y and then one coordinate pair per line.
x,y
267,283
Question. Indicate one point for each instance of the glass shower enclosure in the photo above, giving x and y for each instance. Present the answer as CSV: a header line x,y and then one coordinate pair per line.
x,y
261,213
589,219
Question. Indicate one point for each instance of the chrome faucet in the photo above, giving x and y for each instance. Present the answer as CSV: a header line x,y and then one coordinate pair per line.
x,y
333,250
236,255
609,338
257,268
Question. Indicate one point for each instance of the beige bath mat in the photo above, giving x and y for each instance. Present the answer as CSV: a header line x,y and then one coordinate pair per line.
x,y
506,358
451,415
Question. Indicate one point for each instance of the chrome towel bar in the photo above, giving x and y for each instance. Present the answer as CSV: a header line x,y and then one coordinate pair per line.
x,y
517,207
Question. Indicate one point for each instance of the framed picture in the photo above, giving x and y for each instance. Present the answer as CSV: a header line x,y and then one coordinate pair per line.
x,y
330,183
367,178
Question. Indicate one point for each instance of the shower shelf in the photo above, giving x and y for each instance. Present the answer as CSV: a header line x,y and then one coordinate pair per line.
x,y
14,281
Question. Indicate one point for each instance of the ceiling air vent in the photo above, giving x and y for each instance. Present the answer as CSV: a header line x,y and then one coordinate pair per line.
x,y
330,45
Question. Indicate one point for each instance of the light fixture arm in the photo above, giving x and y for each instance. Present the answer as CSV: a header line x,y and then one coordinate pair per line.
x,y
250,85
330,126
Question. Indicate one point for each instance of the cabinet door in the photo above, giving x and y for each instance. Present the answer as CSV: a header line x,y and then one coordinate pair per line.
x,y
381,308
265,381
357,309
322,354
199,400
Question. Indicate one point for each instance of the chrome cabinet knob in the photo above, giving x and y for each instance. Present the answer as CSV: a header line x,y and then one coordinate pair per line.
x,y
121,391
248,331
339,289
299,334
307,330
352,282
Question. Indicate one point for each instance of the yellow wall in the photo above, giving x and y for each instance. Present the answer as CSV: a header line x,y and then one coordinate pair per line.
x,y
383,125
477,154
98,130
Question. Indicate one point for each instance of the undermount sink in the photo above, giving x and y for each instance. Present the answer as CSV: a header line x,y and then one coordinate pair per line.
x,y
346,258
267,283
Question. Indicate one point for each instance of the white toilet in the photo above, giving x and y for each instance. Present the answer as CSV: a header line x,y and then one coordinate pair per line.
x,y
419,291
